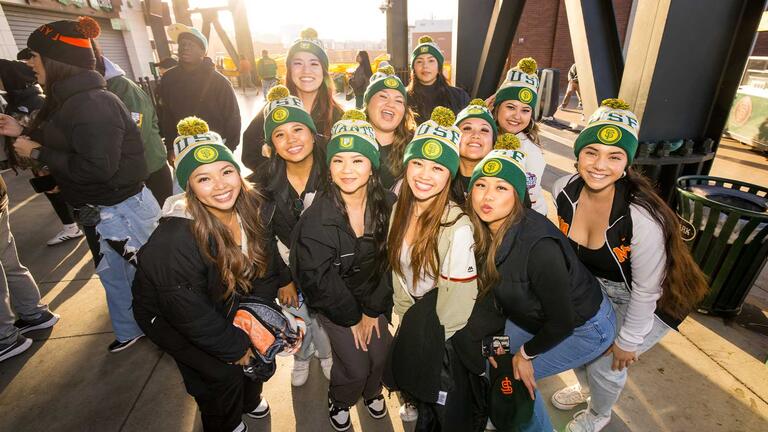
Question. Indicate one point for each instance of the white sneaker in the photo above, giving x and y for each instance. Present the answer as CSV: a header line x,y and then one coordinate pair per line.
x,y
377,406
408,412
586,421
261,410
489,426
300,372
326,364
242,427
339,417
71,231
569,398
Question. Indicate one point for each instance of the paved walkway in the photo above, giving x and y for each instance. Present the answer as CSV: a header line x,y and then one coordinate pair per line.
x,y
709,377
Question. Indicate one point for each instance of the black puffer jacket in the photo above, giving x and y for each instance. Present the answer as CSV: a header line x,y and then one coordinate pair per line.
x,y
335,270
90,143
172,300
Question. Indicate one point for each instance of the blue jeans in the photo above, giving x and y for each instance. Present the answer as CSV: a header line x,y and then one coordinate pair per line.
x,y
586,343
123,229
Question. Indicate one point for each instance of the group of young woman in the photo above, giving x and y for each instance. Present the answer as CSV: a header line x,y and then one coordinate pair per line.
x,y
350,216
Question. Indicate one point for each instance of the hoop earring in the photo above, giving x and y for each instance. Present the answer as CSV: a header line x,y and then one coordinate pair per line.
x,y
623,174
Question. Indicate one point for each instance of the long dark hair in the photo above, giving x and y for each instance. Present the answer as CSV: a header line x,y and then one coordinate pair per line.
x,y
415,86
377,204
55,72
365,63
325,106
684,284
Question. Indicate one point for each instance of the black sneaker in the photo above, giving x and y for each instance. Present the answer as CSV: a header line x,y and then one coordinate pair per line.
x,y
22,344
339,417
242,427
261,411
377,407
118,346
46,320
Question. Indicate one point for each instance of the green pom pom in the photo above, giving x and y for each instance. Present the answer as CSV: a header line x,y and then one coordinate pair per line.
x,y
191,126
425,39
615,104
507,141
477,101
443,116
527,65
309,33
353,114
278,92
388,70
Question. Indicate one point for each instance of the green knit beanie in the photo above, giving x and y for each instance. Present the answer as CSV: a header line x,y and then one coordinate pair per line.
x,y
353,134
309,42
196,146
283,108
611,124
521,84
477,109
428,46
383,79
503,163
437,139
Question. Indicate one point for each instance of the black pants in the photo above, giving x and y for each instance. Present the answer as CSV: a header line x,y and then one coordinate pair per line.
x,y
160,183
60,207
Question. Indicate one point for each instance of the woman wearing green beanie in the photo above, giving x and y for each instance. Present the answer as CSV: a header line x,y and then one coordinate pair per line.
x,y
428,87
392,120
628,237
513,106
308,79
478,135
340,261
430,251
550,305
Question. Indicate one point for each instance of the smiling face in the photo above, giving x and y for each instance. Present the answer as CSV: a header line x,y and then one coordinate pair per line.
x,y
425,68
386,110
36,63
217,186
426,178
476,139
350,171
306,72
493,200
601,165
513,116
293,141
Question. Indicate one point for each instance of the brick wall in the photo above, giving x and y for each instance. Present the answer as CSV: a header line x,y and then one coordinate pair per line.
x,y
761,45
444,41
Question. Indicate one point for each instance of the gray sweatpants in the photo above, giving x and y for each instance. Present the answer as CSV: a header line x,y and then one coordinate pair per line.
x,y
356,372
18,290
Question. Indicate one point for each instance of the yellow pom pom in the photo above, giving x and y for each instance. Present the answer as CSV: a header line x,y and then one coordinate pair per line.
x,y
477,101
425,39
191,126
615,104
388,70
309,33
507,141
278,92
443,116
527,65
353,114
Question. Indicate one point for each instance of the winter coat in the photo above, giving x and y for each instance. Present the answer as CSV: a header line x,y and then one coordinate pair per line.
x,y
266,68
176,287
430,97
142,112
359,80
91,144
201,92
335,270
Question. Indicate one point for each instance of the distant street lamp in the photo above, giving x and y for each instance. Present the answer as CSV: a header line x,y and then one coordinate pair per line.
x,y
385,6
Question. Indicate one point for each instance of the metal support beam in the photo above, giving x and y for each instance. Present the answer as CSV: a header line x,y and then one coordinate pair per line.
x,y
469,31
181,12
242,30
397,33
501,31
160,37
596,49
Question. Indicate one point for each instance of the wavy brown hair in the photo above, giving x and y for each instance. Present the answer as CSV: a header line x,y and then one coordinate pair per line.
x,y
323,110
218,246
403,136
487,243
684,284
425,259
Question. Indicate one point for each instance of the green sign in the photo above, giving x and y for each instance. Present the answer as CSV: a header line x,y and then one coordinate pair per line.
x,y
78,3
64,2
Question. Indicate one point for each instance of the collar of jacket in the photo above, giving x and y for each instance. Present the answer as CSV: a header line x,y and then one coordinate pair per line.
x,y
279,186
84,81
620,205
331,216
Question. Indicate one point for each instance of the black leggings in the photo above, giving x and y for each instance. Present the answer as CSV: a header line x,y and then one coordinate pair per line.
x,y
60,207
160,183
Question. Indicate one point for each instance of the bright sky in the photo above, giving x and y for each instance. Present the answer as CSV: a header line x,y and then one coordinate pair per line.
x,y
333,19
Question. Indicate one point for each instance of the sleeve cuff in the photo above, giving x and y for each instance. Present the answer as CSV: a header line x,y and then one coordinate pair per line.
x,y
526,356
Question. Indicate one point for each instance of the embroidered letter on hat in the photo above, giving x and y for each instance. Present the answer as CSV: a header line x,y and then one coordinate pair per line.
x,y
492,167
432,149
346,142
506,386
205,154
609,134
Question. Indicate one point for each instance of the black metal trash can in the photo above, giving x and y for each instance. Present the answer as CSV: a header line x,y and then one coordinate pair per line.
x,y
729,238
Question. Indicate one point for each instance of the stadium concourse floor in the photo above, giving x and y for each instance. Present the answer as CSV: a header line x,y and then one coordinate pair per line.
x,y
709,377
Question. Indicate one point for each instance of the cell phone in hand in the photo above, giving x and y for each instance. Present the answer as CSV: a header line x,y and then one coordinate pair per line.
x,y
495,346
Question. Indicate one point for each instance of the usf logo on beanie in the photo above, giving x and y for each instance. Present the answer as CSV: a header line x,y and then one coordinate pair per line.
x,y
437,139
353,134
427,45
196,146
611,124
506,162
521,84
477,109
383,79
283,108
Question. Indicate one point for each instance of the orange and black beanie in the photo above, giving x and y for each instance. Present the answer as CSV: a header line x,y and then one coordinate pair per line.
x,y
67,41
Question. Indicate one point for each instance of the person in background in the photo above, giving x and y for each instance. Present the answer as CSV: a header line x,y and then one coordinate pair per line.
x,y
573,88
428,87
266,69
360,77
195,88
244,69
